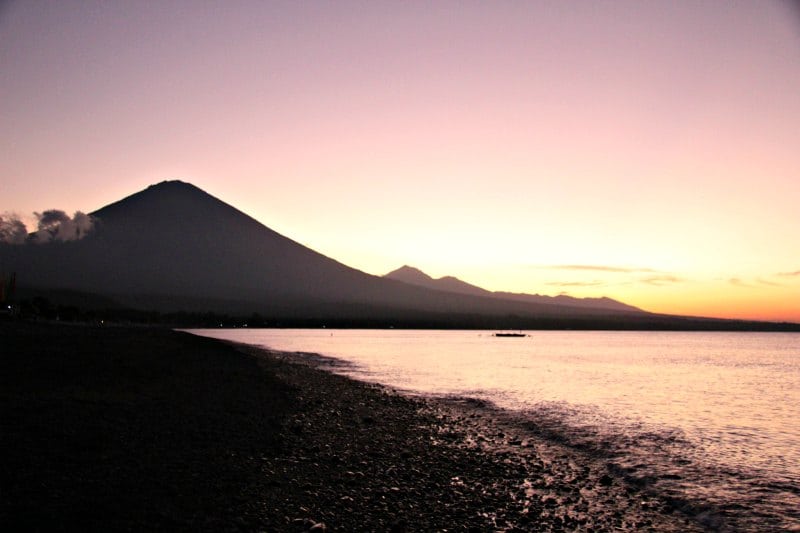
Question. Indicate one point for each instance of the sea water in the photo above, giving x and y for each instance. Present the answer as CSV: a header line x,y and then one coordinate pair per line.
x,y
709,421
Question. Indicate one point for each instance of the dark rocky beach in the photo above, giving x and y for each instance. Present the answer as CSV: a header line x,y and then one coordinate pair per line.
x,y
126,428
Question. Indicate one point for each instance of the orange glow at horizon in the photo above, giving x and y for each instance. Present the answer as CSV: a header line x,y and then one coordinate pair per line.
x,y
730,302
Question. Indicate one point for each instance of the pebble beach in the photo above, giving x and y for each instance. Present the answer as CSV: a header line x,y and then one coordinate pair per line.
x,y
134,428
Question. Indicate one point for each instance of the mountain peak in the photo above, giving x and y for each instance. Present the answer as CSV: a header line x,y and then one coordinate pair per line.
x,y
414,276
409,274
174,189
169,203
173,184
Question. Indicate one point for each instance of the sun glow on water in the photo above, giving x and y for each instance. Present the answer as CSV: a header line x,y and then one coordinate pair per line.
x,y
712,417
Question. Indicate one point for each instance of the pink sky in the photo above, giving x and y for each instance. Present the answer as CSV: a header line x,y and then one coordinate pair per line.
x,y
652,145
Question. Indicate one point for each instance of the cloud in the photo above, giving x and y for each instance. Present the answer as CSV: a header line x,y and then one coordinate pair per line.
x,y
56,225
598,268
747,284
770,283
52,225
657,278
662,280
658,281
51,218
789,274
595,283
12,229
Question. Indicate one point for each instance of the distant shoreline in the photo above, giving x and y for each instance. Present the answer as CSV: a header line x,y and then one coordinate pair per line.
x,y
76,306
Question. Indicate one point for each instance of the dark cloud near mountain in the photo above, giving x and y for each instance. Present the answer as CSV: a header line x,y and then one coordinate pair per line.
x,y
56,225
12,229
52,225
51,218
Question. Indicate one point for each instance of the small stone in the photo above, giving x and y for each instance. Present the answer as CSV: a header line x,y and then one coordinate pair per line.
x,y
399,526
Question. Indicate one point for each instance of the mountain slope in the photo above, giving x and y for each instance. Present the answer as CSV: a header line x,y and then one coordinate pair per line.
x,y
414,276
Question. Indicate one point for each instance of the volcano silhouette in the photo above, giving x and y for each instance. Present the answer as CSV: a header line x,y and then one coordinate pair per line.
x,y
174,247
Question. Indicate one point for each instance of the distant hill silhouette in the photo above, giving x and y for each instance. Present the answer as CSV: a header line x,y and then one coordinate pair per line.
x,y
414,276
173,247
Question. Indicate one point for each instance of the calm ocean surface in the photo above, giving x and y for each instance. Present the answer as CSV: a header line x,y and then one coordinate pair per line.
x,y
710,419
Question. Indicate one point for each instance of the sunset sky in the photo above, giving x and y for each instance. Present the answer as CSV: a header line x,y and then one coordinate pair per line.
x,y
647,151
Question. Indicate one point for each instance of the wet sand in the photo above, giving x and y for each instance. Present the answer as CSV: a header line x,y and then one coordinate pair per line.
x,y
111,428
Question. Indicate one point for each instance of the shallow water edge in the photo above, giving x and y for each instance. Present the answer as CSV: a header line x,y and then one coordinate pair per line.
x,y
707,422
567,476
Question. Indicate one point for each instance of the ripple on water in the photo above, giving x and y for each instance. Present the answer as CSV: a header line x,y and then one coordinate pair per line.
x,y
665,463
696,417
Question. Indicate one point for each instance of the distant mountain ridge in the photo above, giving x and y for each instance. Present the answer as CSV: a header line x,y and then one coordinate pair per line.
x,y
414,276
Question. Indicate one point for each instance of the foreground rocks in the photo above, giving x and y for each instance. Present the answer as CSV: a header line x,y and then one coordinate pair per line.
x,y
143,429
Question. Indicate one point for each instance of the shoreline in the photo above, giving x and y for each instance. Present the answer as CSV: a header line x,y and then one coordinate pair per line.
x,y
135,428
563,482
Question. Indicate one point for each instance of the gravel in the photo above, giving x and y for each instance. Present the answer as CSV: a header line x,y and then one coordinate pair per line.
x,y
124,428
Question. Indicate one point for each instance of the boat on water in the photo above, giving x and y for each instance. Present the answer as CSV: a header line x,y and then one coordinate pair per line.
x,y
510,335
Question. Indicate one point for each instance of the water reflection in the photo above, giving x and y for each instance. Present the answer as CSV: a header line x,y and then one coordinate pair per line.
x,y
708,412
